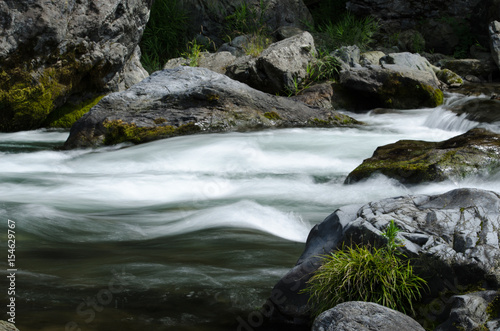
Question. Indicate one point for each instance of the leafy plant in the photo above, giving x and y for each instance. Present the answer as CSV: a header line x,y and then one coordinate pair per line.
x,y
165,35
362,273
257,43
193,53
350,30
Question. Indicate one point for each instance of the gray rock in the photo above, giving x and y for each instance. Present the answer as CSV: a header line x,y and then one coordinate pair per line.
x,y
217,62
474,67
450,78
494,30
484,110
278,67
469,311
411,61
364,316
474,153
371,58
350,55
393,86
188,100
452,239
6,326
318,95
73,49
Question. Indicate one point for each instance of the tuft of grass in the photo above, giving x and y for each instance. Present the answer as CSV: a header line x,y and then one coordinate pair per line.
x,y
165,35
350,30
193,53
362,273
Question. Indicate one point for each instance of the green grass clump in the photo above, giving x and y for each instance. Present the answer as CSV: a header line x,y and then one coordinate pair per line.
x,y
351,30
165,35
360,273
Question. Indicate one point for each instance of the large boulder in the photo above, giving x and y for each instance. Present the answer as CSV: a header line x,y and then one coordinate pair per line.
x,y
188,100
402,80
473,153
364,316
279,68
494,30
55,52
451,238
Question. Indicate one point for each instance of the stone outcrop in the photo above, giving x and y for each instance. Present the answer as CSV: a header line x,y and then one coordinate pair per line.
x,y
402,80
279,67
209,17
451,239
55,52
473,153
494,30
364,316
188,100
450,78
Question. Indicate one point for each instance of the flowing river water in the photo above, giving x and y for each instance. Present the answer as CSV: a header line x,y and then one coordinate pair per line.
x,y
187,233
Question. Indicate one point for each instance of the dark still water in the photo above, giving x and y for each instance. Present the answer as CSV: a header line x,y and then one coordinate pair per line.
x,y
188,233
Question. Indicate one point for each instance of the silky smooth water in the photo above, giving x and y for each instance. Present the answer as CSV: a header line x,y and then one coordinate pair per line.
x,y
187,233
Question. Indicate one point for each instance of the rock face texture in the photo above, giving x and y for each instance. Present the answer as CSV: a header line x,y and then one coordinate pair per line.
x,y
279,67
402,80
189,100
364,316
209,16
410,161
494,30
52,52
451,238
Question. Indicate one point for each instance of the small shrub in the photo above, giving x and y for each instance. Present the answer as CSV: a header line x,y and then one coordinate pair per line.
x,y
193,53
360,273
350,30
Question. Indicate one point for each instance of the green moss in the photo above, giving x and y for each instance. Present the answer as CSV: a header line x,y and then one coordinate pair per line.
x,y
65,116
119,131
272,115
25,104
398,91
338,119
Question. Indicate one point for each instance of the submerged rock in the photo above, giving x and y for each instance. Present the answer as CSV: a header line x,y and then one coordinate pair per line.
x,y
451,238
188,100
476,152
485,110
364,316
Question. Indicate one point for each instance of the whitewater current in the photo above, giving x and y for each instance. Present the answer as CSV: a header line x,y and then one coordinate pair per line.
x,y
195,230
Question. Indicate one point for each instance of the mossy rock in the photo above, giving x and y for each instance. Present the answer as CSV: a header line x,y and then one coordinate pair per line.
x,y
65,116
118,131
450,78
411,161
401,92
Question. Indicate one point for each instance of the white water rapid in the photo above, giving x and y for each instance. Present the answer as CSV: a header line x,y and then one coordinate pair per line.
x,y
201,227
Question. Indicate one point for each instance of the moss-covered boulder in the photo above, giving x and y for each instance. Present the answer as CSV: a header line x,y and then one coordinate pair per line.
x,y
188,100
450,78
393,86
57,54
475,152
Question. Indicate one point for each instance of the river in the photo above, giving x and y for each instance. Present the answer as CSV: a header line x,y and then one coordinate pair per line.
x,y
187,233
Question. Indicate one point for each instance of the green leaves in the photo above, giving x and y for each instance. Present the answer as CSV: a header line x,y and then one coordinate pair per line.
x,y
350,30
363,273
